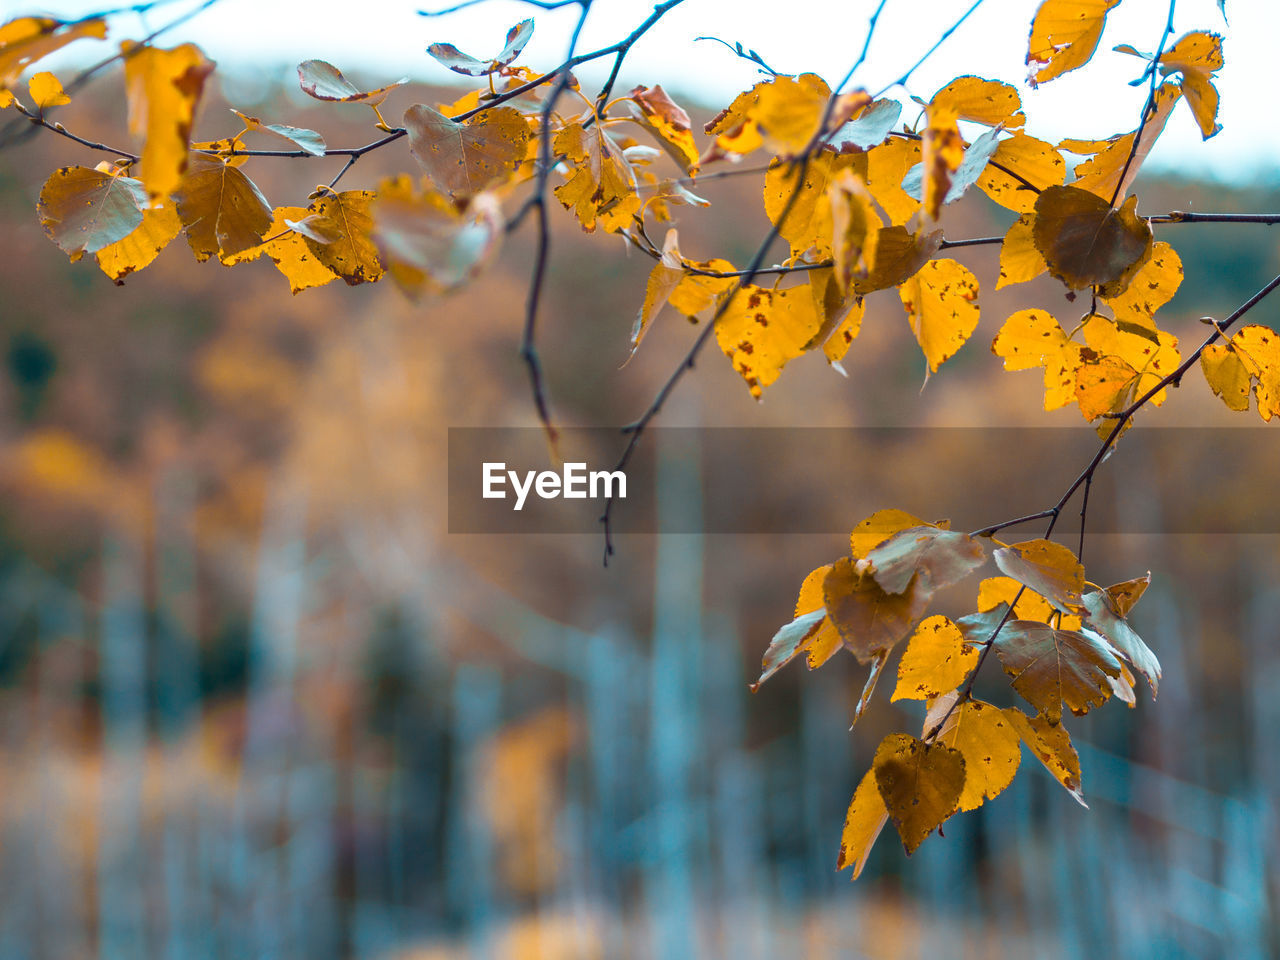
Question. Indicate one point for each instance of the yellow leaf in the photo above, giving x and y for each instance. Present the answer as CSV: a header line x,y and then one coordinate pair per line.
x,y
1152,359
887,165
1048,568
1034,161
808,223
1112,165
879,527
762,329
870,620
988,102
986,739
338,231
994,591
940,306
222,209
1029,339
83,210
1020,261
1226,375
936,660
429,243
941,153
787,643
1086,242
862,825
696,293
1259,349
601,187
663,280
837,345
1060,373
669,124
288,250
855,228
160,224
899,256
46,91
787,111
1105,385
825,641
1197,56
163,89
1064,35
25,40
1052,747
1154,285
920,783
465,158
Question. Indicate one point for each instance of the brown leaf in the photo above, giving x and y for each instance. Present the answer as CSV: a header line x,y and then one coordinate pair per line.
x,y
1051,667
920,783
938,558
1086,242
1048,568
222,209
1052,747
466,158
869,619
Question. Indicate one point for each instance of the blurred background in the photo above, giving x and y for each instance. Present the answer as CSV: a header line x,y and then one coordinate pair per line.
x,y
257,701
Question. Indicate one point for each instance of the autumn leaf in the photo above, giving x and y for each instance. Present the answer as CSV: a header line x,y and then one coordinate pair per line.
x,y
160,224
762,329
920,783
986,739
1020,261
855,228
936,660
601,187
823,644
787,112
869,619
1104,618
288,250
1149,355
324,81
1258,348
1020,169
84,210
25,40
668,122
46,91
1048,568
1197,57
463,159
941,152
163,88
1064,35
887,166
1051,745
976,157
994,591
1154,285
663,280
788,642
808,224
222,209
878,528
933,557
867,128
1052,667
310,141
459,62
429,243
1029,339
696,293
1084,241
845,332
939,300
869,687
988,102
338,229
1226,375
1116,163
862,825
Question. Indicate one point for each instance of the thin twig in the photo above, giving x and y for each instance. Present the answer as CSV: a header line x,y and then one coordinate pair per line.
x,y
1150,105
902,80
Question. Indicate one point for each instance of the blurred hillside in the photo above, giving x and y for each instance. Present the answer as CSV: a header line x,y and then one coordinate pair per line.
x,y
259,701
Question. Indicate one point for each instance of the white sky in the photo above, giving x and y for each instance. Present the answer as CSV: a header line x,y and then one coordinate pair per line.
x,y
376,41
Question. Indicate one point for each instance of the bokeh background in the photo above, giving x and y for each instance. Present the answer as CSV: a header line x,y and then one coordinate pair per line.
x,y
257,701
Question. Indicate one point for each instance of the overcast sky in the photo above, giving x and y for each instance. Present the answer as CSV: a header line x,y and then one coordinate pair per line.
x,y
376,41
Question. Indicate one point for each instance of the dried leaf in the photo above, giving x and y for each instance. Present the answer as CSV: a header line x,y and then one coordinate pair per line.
x,y
668,123
324,81
163,89
934,557
869,619
1052,667
222,209
1048,568
788,642
459,62
1103,618
920,783
84,210
869,688
1052,747
601,187
463,159
1086,242
338,230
